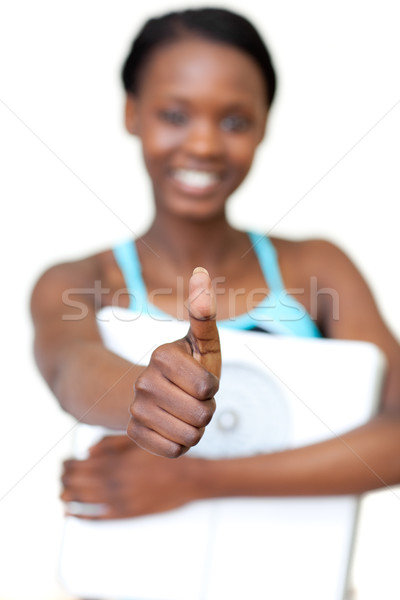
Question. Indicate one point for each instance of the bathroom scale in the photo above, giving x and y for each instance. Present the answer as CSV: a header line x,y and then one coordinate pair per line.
x,y
276,393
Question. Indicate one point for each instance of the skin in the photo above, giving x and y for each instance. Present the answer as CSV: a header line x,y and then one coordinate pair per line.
x,y
201,106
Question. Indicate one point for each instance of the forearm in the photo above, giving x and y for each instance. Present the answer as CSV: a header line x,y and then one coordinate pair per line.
x,y
363,459
95,385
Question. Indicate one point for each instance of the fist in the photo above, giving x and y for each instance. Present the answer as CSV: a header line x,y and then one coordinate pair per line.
x,y
174,396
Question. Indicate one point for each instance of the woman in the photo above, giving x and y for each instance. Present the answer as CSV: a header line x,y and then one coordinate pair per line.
x,y
199,87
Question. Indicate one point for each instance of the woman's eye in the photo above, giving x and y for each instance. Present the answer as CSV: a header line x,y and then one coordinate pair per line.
x,y
235,123
174,117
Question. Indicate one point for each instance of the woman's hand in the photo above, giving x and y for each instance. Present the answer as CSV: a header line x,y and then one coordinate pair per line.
x,y
126,481
174,396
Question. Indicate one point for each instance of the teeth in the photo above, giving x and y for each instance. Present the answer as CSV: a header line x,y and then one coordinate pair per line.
x,y
198,179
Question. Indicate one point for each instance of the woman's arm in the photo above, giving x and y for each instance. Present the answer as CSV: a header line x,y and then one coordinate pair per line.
x,y
130,482
364,459
170,401
90,382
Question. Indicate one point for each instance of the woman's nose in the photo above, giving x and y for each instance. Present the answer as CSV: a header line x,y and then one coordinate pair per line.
x,y
203,139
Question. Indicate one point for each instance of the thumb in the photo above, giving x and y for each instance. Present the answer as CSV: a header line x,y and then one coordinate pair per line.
x,y
203,333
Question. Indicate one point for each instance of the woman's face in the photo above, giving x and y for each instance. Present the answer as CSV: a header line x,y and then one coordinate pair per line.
x,y
200,114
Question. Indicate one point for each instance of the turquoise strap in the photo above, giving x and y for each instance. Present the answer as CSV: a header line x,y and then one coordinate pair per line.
x,y
128,261
279,308
268,259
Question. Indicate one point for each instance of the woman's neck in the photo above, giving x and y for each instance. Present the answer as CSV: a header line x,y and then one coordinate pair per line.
x,y
192,243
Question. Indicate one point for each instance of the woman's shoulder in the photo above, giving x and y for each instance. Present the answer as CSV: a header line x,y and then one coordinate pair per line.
x,y
308,247
98,270
300,258
86,268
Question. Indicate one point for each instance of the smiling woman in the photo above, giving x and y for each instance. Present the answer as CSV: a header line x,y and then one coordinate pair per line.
x,y
207,102
199,108
181,107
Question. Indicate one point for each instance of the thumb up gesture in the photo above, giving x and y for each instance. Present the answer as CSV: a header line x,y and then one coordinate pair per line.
x,y
174,396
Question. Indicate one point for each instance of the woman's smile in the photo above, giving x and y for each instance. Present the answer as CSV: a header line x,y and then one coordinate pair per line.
x,y
195,181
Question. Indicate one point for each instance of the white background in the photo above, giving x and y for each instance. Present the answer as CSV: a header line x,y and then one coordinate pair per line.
x,y
72,183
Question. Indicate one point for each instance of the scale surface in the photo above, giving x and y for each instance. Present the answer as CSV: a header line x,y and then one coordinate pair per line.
x,y
276,393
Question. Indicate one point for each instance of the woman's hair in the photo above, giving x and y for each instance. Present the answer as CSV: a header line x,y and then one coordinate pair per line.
x,y
215,24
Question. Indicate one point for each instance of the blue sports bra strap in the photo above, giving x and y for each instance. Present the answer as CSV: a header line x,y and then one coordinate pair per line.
x,y
268,259
128,261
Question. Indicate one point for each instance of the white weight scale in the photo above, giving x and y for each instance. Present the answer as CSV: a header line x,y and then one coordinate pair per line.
x,y
276,393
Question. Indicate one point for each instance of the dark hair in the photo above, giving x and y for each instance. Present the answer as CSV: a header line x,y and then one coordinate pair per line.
x,y
211,23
